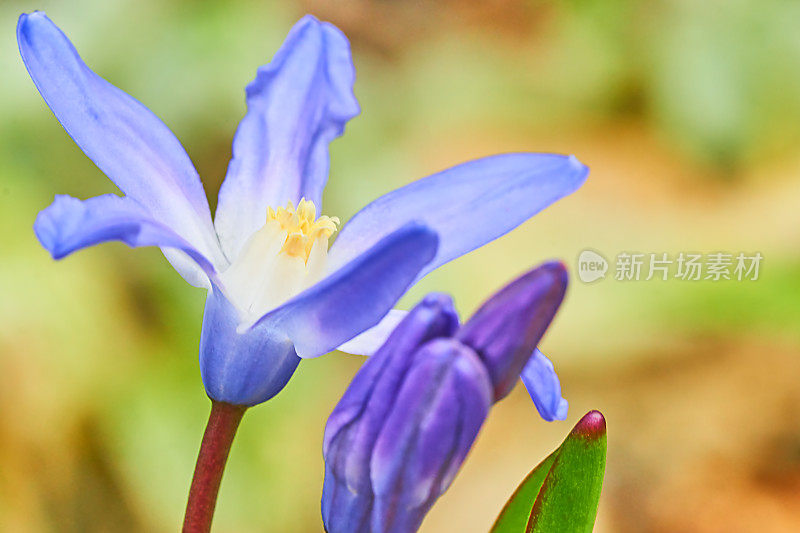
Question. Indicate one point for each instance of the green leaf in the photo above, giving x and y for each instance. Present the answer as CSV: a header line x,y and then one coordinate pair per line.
x,y
514,516
561,494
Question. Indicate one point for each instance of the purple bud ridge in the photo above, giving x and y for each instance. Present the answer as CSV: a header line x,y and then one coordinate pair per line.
x,y
438,412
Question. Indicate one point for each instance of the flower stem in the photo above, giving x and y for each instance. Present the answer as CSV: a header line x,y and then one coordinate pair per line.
x,y
217,439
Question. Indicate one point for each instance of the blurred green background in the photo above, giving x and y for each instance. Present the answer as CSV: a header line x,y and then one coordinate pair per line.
x,y
688,114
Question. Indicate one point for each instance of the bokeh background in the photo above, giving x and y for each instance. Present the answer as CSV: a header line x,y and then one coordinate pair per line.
x,y
688,114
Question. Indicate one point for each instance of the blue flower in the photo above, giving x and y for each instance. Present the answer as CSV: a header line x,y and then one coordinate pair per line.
x,y
397,438
276,293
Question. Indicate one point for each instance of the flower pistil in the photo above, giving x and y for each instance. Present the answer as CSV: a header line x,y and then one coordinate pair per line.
x,y
287,255
303,229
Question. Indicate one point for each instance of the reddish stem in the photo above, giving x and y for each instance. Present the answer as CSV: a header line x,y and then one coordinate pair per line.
x,y
217,439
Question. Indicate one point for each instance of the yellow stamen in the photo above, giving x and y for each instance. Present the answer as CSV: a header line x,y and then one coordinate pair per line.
x,y
302,227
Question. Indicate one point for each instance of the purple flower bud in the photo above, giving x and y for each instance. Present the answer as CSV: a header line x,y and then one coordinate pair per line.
x,y
355,424
435,419
506,329
401,431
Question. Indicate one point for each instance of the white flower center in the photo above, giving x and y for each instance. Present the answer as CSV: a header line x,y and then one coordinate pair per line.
x,y
287,255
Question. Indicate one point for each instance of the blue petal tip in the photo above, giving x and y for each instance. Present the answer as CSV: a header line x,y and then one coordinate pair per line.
x,y
581,170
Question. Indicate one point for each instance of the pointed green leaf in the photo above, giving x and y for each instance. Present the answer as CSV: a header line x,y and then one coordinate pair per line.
x,y
562,492
570,493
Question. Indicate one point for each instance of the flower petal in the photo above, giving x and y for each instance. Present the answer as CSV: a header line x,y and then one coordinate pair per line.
x,y
543,385
242,367
372,339
123,138
467,206
296,106
357,296
69,224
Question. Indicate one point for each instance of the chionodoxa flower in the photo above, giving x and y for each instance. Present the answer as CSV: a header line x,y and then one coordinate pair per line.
x,y
276,292
395,441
